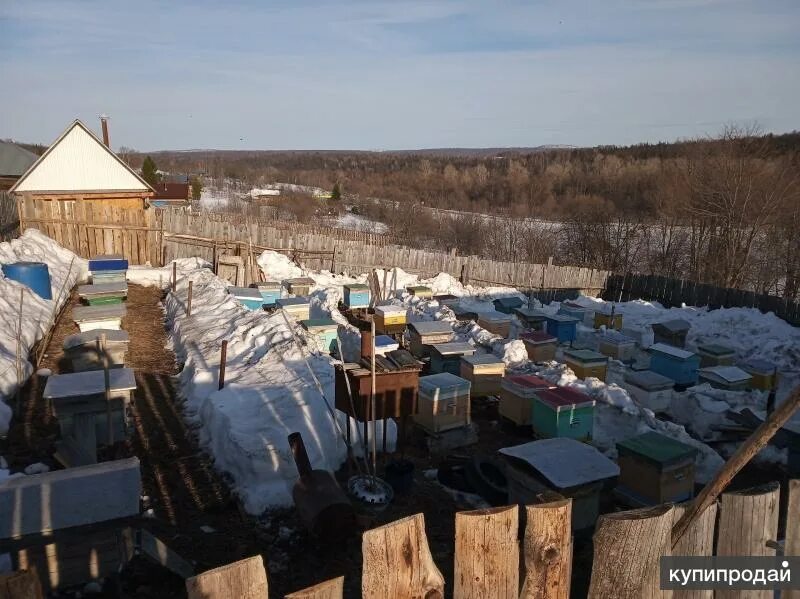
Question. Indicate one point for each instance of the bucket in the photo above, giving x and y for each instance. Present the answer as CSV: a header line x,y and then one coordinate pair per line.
x,y
400,475
35,275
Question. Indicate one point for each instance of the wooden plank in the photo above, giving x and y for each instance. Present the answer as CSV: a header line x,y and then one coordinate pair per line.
x,y
398,562
697,541
487,554
548,550
792,530
330,589
627,549
245,579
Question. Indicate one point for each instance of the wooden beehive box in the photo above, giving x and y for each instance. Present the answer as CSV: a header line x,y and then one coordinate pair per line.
x,y
420,291
531,319
424,334
671,332
713,354
563,328
541,346
729,378
444,402
604,317
617,346
517,394
396,391
299,286
565,466
563,412
107,262
507,305
463,312
100,294
764,374
83,349
270,292
446,357
495,322
296,307
322,332
650,389
356,295
247,296
586,363
446,299
574,311
388,317
674,363
89,318
655,469
485,372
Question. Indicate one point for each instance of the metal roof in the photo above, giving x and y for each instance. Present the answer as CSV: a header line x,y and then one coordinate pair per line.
x,y
79,161
14,159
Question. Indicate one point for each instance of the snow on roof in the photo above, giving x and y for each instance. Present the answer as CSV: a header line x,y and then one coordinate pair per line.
x,y
671,350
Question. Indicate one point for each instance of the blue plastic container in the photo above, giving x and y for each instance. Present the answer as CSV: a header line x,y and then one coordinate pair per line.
x,y
33,274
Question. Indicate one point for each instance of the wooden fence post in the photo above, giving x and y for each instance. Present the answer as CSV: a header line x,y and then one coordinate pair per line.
x,y
487,554
189,300
330,589
174,276
245,578
698,541
223,356
548,550
398,562
792,529
627,549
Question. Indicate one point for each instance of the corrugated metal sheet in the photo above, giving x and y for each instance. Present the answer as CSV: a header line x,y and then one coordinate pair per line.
x,y
78,161
14,159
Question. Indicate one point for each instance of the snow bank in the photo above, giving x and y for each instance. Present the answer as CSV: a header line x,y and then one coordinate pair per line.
x,y
37,314
150,276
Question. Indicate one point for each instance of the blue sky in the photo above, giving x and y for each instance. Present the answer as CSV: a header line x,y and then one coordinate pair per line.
x,y
378,74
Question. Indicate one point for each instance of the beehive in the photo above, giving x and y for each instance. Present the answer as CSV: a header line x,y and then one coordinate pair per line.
x,y
323,333
586,363
299,286
249,297
84,351
764,374
563,412
507,305
446,357
674,363
108,268
541,346
643,336
389,317
531,319
443,402
650,389
573,311
89,318
463,312
424,334
713,354
108,276
517,394
296,307
99,294
671,332
617,346
356,295
730,378
563,328
605,318
565,466
420,291
485,372
446,299
385,344
656,469
270,292
495,322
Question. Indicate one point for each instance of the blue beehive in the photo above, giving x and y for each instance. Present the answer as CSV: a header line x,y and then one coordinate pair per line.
x,y
324,329
573,311
107,262
507,305
675,363
564,328
270,292
33,274
250,297
356,295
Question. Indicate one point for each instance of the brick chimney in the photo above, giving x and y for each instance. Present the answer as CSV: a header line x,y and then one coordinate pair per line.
x,y
104,124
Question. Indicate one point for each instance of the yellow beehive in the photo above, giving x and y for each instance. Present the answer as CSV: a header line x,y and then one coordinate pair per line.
x,y
586,363
608,321
389,316
485,372
764,374
495,322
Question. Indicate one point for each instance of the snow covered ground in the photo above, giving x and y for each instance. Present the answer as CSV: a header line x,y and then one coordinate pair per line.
x,y
356,222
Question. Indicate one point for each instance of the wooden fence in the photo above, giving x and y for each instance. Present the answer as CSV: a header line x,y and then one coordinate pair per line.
x,y
9,223
493,560
674,292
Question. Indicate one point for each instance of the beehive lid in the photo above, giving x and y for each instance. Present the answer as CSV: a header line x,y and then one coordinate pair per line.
x,y
616,338
245,293
725,374
300,281
319,324
676,325
91,382
268,285
564,463
508,302
674,352
87,313
390,310
657,448
452,349
585,355
715,349
92,337
483,359
525,385
762,367
538,338
569,309
444,382
562,318
384,341
103,289
494,317
292,302
530,313
647,379
107,257
356,287
564,398
418,288
431,327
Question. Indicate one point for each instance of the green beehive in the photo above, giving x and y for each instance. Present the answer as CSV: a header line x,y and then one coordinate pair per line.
x,y
324,331
563,412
